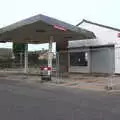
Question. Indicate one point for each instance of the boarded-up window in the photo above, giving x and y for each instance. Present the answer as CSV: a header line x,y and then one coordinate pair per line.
x,y
79,59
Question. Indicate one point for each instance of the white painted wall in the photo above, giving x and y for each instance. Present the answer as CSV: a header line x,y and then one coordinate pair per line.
x,y
117,58
78,69
104,36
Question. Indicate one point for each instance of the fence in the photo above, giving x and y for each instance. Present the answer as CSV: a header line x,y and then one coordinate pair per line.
x,y
15,63
10,62
59,64
36,60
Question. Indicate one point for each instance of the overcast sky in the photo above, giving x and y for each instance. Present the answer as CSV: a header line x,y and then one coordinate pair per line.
x,y
71,11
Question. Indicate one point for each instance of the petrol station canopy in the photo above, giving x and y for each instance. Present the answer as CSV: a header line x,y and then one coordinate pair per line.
x,y
38,29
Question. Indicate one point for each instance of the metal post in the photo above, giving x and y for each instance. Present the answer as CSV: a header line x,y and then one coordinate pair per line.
x,y
26,59
111,80
50,54
57,68
21,59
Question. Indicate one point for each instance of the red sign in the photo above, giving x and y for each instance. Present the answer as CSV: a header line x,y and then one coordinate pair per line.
x,y
60,28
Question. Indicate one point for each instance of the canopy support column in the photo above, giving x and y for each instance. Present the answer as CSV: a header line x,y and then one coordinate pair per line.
x,y
26,59
50,54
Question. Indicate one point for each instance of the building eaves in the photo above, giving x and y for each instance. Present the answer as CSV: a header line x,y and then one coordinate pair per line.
x,y
86,21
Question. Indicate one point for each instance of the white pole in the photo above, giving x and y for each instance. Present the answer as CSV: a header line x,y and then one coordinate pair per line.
x,y
50,54
26,59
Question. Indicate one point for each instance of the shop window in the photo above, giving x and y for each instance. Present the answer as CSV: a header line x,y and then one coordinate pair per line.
x,y
79,59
